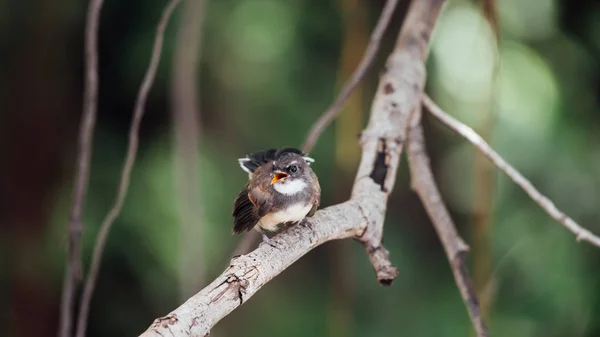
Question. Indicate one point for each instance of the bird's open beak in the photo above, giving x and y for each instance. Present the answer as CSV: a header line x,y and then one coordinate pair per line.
x,y
278,175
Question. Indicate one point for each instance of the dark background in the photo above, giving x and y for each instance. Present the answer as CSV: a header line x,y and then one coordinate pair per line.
x,y
268,70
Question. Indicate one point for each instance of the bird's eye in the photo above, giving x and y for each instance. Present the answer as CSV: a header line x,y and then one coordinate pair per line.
x,y
293,168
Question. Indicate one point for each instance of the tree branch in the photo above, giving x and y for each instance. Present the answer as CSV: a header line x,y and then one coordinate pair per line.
x,y
126,171
456,249
334,109
361,217
246,274
73,271
546,204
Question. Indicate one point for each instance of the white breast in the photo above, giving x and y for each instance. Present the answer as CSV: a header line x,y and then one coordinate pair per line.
x,y
293,213
290,187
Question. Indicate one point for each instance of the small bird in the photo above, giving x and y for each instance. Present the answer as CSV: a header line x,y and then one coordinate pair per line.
x,y
282,191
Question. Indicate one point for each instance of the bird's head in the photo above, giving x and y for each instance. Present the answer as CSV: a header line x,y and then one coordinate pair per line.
x,y
291,173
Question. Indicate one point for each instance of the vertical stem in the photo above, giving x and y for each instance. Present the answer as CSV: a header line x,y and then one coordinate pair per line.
x,y
349,123
84,155
484,185
130,156
186,129
347,155
482,230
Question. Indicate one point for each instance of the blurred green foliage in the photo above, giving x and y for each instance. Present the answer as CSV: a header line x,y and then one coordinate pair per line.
x,y
268,69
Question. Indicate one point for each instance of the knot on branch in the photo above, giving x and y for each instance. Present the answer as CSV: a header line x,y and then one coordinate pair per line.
x,y
236,281
232,284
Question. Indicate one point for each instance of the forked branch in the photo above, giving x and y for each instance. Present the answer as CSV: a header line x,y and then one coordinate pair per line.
x,y
456,249
84,155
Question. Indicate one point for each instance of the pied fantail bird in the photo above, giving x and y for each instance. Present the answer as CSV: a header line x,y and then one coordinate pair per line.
x,y
282,191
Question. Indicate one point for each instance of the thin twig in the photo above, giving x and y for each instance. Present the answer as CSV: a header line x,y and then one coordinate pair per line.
x,y
126,171
368,57
465,131
185,111
84,155
423,183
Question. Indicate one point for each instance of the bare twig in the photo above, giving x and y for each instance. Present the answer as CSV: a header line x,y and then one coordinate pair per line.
x,y
333,110
126,172
186,130
465,131
361,217
423,183
84,155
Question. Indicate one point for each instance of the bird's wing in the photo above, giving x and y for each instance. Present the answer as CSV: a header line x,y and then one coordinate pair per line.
x,y
317,200
261,199
245,215
252,203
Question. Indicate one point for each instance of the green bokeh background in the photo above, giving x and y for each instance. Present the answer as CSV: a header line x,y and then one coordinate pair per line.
x,y
268,69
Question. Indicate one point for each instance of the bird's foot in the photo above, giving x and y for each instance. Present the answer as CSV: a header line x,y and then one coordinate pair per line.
x,y
304,223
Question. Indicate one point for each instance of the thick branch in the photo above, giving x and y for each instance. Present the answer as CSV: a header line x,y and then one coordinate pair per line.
x,y
246,274
465,131
456,249
84,156
361,217
382,142
138,113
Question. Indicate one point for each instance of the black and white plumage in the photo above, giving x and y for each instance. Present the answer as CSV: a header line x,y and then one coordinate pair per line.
x,y
258,159
282,190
